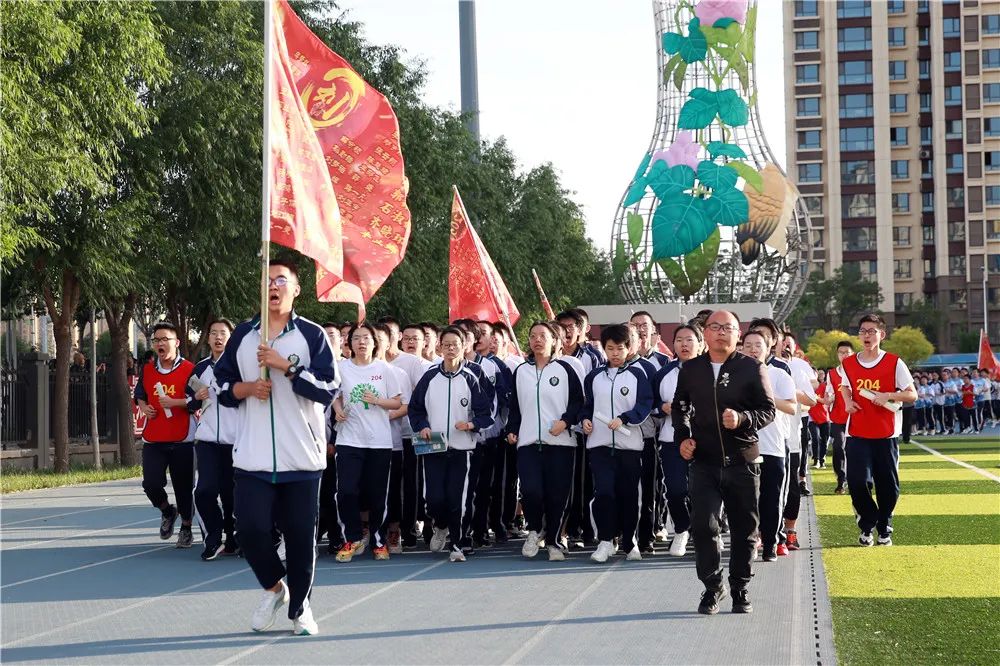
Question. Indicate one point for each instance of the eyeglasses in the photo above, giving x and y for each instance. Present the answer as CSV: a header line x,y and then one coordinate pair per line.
x,y
218,334
450,345
726,328
868,331
412,338
157,341
279,281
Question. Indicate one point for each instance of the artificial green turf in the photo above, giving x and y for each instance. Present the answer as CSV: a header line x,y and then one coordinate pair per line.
x,y
918,530
956,487
917,631
15,480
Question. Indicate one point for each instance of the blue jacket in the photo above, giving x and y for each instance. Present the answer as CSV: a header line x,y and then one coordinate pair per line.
x,y
611,393
441,399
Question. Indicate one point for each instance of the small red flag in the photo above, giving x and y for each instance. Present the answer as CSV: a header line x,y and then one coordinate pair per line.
x,y
475,288
358,136
987,359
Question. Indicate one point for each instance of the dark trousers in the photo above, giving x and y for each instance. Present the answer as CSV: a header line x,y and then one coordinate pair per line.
x,y
907,423
413,495
178,457
546,475
939,418
215,482
838,433
578,523
878,460
394,511
510,486
647,513
362,471
806,443
615,508
769,506
819,434
294,507
328,523
448,493
793,500
738,486
675,477
488,502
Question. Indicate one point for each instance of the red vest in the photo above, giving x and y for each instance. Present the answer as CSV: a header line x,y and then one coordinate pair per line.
x,y
872,422
818,411
162,428
838,412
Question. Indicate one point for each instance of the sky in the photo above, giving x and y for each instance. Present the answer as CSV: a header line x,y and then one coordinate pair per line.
x,y
571,82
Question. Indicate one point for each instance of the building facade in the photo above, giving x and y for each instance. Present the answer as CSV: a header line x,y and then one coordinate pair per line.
x,y
893,138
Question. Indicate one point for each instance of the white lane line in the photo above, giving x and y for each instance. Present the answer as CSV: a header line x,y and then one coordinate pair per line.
x,y
528,645
123,609
960,463
80,534
339,610
68,513
85,566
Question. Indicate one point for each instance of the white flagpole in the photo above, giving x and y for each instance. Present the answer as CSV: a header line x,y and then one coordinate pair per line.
x,y
265,216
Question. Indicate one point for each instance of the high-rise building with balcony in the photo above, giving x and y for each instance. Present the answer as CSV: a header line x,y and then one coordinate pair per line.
x,y
893,138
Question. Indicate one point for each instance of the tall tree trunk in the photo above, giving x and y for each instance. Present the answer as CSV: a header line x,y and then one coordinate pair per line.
x,y
62,325
119,318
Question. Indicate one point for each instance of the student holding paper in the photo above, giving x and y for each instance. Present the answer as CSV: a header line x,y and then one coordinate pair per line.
x,y
875,386
546,397
451,402
619,397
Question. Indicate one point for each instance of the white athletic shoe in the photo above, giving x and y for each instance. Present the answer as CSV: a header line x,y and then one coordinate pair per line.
x,y
678,548
662,536
439,539
634,555
456,555
305,625
605,549
263,617
530,547
556,554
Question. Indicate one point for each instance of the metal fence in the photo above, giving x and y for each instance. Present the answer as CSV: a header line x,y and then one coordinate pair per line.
x,y
13,406
79,404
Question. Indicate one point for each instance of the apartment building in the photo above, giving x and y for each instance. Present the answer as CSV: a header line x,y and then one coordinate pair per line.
x,y
893,138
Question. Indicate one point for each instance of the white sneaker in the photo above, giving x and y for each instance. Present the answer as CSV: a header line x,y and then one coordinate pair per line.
x,y
530,547
662,536
634,555
281,551
456,555
439,539
556,554
305,625
678,548
263,617
605,549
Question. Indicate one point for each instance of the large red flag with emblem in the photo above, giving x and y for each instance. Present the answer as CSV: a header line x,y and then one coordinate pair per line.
x,y
358,136
987,359
475,288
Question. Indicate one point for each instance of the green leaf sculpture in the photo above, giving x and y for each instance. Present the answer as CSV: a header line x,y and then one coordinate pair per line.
x,y
699,111
698,263
679,225
635,225
720,149
748,173
692,48
727,206
619,262
669,182
732,109
716,176
638,186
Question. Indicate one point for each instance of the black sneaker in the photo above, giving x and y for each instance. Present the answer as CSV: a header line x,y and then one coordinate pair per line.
x,y
768,554
647,549
500,535
213,548
167,523
710,601
481,541
804,489
184,537
741,602
232,546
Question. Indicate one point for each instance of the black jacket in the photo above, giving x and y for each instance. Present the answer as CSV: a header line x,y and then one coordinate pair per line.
x,y
699,401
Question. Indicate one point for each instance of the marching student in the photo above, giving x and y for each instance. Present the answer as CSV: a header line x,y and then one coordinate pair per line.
x,y
873,379
328,524
278,457
618,399
546,398
771,440
167,438
819,422
450,398
394,498
838,417
650,446
214,440
688,343
412,342
369,392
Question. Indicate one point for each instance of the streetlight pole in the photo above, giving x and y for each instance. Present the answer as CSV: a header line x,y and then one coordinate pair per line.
x,y
986,302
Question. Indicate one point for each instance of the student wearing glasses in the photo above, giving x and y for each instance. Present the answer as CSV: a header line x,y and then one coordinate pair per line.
x,y
875,381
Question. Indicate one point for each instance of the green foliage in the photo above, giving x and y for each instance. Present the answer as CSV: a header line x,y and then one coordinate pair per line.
x,y
927,317
821,347
701,110
721,149
680,224
908,343
691,48
835,303
968,341
697,265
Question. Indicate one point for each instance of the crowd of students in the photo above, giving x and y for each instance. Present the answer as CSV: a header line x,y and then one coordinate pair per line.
x,y
569,445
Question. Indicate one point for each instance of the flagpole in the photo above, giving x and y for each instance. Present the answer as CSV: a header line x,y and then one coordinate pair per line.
x,y
986,303
541,294
265,215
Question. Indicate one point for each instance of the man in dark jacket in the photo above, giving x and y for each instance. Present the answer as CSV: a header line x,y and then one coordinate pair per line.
x,y
723,398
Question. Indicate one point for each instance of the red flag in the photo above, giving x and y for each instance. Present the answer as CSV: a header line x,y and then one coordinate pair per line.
x,y
475,288
303,207
358,135
987,359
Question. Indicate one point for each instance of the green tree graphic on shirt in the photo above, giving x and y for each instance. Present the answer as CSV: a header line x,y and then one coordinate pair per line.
x,y
358,392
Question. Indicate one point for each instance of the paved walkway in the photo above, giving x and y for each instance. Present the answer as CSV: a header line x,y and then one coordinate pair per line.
x,y
84,579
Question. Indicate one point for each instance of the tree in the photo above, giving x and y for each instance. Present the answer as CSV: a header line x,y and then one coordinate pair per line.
x,y
926,316
821,347
909,344
835,303
967,341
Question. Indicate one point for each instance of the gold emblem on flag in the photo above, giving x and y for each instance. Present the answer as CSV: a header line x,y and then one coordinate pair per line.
x,y
330,105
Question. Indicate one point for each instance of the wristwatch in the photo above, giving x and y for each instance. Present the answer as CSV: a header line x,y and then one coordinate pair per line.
x,y
294,368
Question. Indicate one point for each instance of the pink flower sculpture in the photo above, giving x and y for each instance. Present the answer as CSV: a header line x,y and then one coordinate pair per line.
x,y
710,11
684,150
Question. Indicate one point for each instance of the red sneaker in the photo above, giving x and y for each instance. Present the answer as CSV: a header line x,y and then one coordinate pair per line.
x,y
793,541
782,549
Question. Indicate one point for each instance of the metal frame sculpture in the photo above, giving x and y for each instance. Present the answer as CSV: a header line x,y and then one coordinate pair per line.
x,y
709,217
